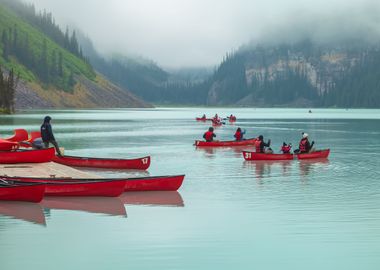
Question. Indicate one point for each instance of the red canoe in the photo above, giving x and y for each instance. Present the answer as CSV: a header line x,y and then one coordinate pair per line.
x,y
225,143
156,183
6,145
317,154
19,135
75,187
203,119
21,192
27,156
108,163
262,156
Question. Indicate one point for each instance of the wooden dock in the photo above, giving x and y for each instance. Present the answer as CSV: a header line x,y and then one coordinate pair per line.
x,y
48,169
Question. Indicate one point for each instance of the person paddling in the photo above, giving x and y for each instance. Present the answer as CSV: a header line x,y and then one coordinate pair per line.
x,y
239,134
286,148
47,135
260,145
305,146
209,135
203,117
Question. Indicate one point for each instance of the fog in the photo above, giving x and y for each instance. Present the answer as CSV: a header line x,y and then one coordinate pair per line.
x,y
185,33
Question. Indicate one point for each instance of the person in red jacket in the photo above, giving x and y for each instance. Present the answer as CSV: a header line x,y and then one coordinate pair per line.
x,y
286,148
209,135
239,134
260,145
305,146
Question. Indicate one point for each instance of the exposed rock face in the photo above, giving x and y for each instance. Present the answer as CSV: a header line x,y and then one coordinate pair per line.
x,y
86,94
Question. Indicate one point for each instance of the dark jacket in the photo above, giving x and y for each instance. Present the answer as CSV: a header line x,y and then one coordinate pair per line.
x,y
47,132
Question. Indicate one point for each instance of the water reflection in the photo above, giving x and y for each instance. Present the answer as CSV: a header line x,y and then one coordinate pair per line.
x,y
308,166
158,198
31,212
100,205
263,168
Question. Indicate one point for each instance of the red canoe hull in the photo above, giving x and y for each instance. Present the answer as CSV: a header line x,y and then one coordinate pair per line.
x,y
158,183
106,163
27,156
6,145
19,135
203,119
78,187
225,143
262,156
27,193
317,154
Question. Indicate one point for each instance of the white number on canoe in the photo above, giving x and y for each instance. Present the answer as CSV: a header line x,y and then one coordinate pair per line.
x,y
248,155
144,160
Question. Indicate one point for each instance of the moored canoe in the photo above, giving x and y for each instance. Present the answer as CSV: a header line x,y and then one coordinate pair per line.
x,y
152,183
107,163
316,154
263,156
21,192
225,143
27,156
75,187
157,183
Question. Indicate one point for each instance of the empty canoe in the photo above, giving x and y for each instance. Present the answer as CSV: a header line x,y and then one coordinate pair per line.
x,y
27,156
152,183
107,163
263,156
225,143
157,183
75,187
316,154
21,192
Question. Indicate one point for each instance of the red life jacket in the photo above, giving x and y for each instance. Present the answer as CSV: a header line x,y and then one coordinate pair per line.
x,y
302,146
286,149
238,136
258,145
209,135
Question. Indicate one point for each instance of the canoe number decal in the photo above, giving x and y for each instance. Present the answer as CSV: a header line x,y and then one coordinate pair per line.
x,y
248,155
144,160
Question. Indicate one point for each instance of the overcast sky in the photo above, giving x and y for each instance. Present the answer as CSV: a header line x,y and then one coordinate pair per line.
x,y
177,33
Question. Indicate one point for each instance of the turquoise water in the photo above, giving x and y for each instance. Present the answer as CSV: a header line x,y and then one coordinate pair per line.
x,y
228,214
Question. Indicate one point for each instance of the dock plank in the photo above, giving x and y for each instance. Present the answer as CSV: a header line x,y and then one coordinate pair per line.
x,y
48,169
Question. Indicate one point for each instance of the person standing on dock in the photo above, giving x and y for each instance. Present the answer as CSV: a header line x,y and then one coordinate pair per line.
x,y
47,135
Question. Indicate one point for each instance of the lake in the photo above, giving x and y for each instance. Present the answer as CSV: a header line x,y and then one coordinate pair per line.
x,y
228,214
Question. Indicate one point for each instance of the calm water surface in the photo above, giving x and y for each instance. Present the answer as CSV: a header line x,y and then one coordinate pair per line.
x,y
229,214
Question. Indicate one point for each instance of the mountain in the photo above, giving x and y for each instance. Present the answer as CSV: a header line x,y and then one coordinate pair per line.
x,y
50,64
304,74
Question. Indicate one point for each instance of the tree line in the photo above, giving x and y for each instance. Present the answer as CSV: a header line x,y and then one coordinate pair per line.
x,y
8,84
47,65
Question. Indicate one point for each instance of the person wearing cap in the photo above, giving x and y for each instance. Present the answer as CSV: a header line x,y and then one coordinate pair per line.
x,y
209,135
260,145
305,146
48,136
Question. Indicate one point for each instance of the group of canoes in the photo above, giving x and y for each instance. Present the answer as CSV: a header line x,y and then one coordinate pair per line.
x,y
262,148
16,150
216,119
